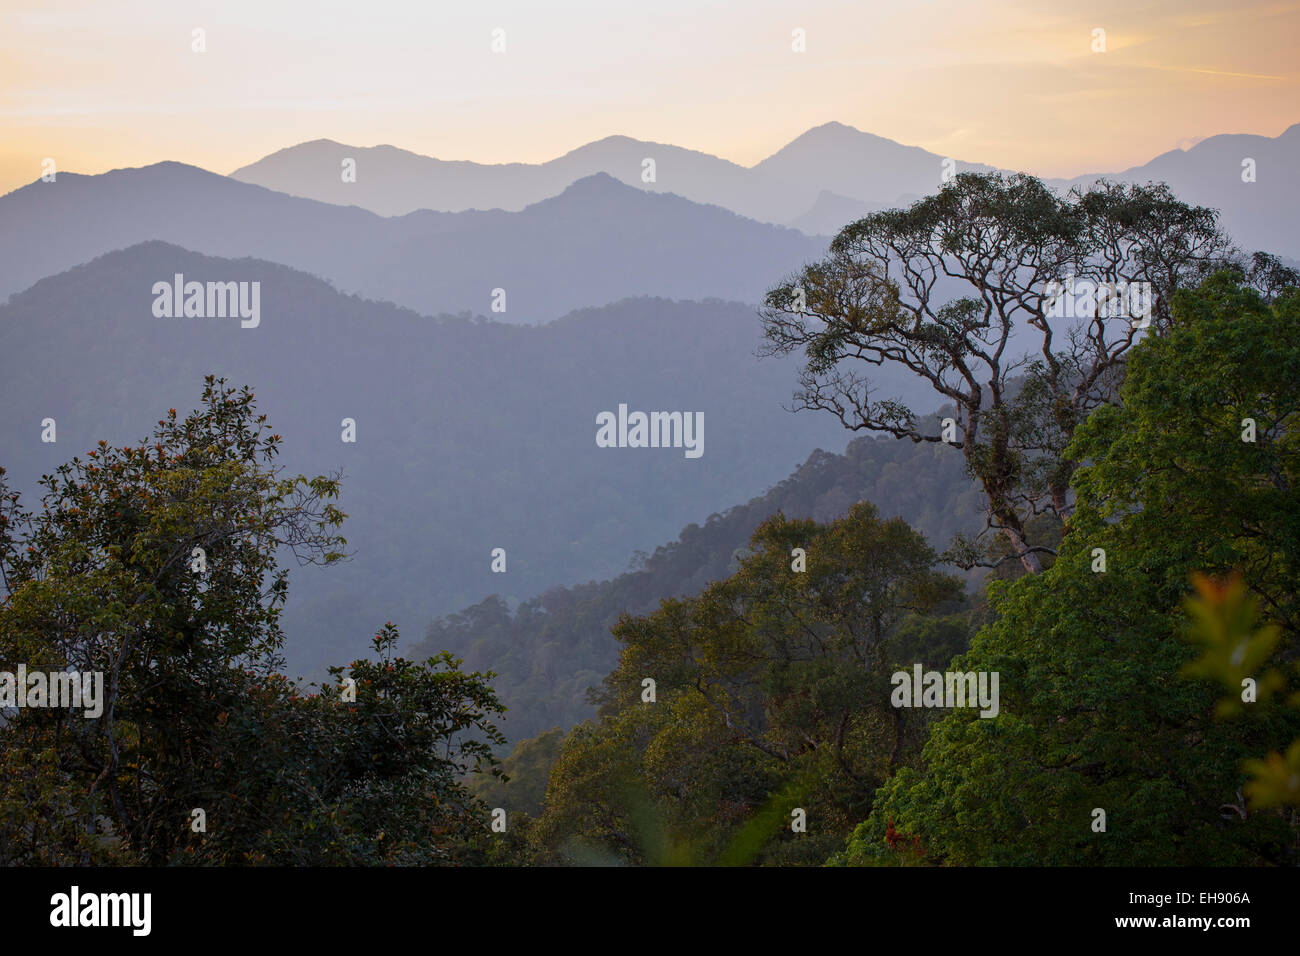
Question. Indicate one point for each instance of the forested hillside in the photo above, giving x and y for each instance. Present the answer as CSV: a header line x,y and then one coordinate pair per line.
x,y
759,720
550,649
470,435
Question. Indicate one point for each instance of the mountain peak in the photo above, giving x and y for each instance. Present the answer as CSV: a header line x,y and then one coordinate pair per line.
x,y
597,184
615,139
835,126
835,134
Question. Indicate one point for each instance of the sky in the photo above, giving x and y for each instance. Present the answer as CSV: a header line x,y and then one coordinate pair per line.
x,y
1018,84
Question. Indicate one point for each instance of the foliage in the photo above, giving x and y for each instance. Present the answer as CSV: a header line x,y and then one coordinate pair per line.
x,y
1094,711
770,694
156,566
1234,653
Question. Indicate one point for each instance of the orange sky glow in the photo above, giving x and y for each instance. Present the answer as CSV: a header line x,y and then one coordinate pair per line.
x,y
101,84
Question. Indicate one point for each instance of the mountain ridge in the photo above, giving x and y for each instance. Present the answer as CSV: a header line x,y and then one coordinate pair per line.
x,y
785,187
456,418
596,241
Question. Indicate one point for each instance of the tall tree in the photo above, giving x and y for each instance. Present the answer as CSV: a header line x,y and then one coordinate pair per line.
x,y
1017,305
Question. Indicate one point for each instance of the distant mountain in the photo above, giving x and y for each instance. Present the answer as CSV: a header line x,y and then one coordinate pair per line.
x,y
699,177
548,650
831,212
860,170
859,166
393,182
596,242
1261,214
471,435
46,228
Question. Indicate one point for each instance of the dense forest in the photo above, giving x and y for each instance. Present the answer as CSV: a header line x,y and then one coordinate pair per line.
x,y
1054,623
549,650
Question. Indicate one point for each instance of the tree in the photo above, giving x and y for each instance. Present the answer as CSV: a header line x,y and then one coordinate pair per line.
x,y
770,692
155,566
311,779
1229,480
1095,712
1202,456
966,290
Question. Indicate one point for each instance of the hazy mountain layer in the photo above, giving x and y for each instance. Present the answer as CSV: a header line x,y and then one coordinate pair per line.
x,y
597,242
818,182
470,435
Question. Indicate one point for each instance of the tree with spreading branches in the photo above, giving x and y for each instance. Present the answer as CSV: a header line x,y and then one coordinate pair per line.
x,y
1016,304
